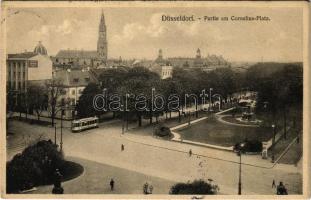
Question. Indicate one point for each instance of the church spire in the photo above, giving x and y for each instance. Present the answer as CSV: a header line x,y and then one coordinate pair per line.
x,y
160,55
102,40
102,24
198,53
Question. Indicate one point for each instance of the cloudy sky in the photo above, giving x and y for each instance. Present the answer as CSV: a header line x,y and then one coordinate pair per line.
x,y
139,32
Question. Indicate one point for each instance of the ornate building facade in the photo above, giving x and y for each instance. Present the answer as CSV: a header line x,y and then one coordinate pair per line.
x,y
26,67
102,46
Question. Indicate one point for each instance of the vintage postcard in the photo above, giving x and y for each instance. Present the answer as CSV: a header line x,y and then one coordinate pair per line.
x,y
155,100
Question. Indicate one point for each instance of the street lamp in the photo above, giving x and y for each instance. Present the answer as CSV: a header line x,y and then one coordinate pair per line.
x,y
55,135
151,111
239,153
123,127
210,98
273,142
61,130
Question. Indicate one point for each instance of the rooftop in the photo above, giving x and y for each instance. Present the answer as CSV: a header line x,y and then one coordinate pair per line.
x,y
76,54
75,78
25,55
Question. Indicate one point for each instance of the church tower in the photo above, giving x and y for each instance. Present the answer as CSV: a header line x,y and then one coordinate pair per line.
x,y
198,55
102,48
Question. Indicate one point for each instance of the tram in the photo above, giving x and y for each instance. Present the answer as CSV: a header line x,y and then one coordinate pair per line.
x,y
84,124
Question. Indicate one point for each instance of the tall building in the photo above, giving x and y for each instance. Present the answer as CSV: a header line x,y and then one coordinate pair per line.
x,y
102,47
26,67
83,58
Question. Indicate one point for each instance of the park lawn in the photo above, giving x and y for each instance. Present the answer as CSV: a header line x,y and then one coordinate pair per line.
x,y
211,131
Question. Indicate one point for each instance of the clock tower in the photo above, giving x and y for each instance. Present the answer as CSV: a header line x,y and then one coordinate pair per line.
x,y
102,40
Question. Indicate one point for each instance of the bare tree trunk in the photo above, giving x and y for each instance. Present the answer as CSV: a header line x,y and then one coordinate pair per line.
x,y
53,115
139,120
179,117
285,126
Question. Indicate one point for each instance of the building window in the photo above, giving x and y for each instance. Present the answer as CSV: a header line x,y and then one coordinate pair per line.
x,y
76,80
63,101
63,92
87,79
56,60
73,92
33,63
24,75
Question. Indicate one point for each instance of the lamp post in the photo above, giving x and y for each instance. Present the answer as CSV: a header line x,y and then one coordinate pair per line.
x,y
151,109
210,98
189,117
123,119
61,130
55,136
240,173
273,142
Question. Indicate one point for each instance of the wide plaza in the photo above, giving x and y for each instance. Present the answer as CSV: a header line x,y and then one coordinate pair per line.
x,y
153,160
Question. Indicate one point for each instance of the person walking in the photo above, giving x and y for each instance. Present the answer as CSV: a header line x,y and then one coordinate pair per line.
x,y
122,147
190,153
150,189
281,190
111,184
57,189
145,188
273,184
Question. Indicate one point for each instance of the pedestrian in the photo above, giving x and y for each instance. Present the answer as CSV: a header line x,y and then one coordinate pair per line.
x,y
273,184
150,189
57,178
122,147
281,190
190,153
111,184
145,188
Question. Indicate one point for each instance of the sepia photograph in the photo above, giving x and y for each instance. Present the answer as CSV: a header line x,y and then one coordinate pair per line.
x,y
154,99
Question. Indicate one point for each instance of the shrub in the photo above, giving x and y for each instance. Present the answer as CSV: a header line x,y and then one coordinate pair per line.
x,y
34,166
249,146
162,131
196,187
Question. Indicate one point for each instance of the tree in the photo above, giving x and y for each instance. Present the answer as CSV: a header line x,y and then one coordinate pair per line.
x,y
34,166
37,97
140,81
280,91
55,88
85,106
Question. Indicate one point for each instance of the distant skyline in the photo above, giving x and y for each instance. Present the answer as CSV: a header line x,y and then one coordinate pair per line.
x,y
139,32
